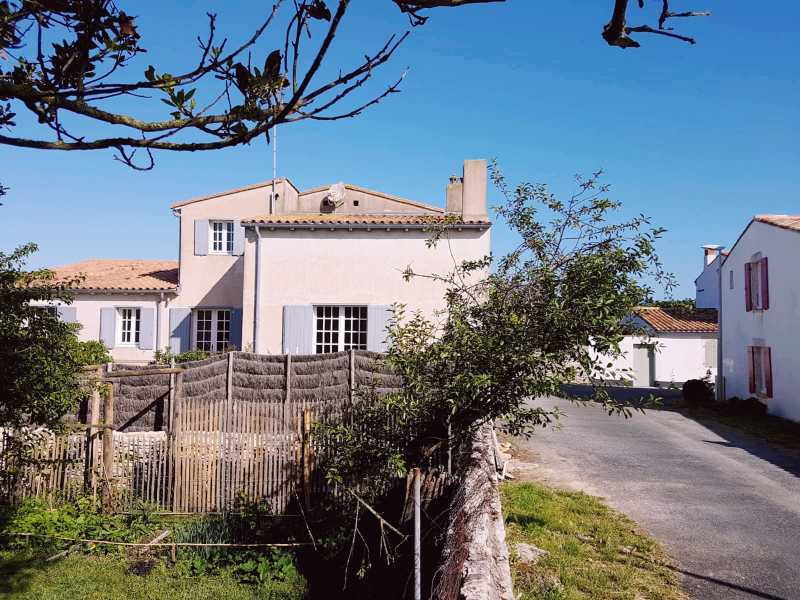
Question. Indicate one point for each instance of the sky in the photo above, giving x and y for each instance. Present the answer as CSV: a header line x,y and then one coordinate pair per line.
x,y
699,138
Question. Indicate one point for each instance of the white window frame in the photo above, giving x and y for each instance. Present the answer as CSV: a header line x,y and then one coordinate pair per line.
x,y
135,330
220,237
218,327
337,321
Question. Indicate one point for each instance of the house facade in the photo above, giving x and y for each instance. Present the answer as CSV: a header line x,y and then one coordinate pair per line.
x,y
760,315
669,347
273,269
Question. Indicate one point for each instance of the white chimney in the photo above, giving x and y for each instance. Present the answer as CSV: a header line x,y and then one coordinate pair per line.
x,y
710,253
474,194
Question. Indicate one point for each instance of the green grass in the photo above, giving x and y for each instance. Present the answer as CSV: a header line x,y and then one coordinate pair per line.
x,y
81,577
780,432
594,552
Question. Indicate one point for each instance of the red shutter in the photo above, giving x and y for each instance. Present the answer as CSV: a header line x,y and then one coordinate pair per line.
x,y
767,362
764,283
748,297
751,369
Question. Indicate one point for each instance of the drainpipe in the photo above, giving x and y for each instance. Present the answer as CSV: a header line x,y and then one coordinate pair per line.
x,y
257,294
720,377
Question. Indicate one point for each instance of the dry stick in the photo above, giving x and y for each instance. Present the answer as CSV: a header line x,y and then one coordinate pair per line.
x,y
308,528
162,544
375,513
352,545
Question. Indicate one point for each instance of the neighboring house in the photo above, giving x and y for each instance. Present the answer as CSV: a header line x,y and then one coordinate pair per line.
x,y
275,270
760,315
669,348
707,283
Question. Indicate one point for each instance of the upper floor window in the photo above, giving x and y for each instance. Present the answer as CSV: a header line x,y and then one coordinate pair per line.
x,y
756,284
730,279
129,326
221,237
212,329
340,328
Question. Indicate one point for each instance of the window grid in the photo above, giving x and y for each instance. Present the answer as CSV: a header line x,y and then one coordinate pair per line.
x,y
130,326
222,237
212,330
755,284
340,328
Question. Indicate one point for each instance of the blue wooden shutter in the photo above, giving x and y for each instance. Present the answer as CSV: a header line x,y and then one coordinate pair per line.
x,y
108,326
201,237
236,329
298,329
377,320
147,328
180,329
238,238
67,314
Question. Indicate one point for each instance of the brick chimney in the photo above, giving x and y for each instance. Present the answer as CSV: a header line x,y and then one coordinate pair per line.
x,y
474,190
711,252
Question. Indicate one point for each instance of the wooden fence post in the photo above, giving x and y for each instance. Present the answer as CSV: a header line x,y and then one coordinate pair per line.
x,y
177,490
306,453
92,433
108,444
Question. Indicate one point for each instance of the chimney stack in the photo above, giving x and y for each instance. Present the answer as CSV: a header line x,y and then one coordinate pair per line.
x,y
710,253
474,190
455,193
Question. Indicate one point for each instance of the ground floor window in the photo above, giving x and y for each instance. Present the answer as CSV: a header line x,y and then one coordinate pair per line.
x,y
130,324
760,358
212,329
340,328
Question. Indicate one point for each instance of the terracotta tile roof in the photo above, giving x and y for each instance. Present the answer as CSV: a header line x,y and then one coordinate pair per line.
x,y
132,274
784,221
701,320
342,220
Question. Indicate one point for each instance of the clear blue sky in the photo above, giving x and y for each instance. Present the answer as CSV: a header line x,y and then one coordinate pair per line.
x,y
698,137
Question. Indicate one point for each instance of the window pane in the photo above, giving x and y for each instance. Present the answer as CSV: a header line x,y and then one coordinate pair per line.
x,y
229,240
327,329
223,329
203,330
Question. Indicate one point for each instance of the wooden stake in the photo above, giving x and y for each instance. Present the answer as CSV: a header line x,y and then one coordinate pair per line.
x,y
108,443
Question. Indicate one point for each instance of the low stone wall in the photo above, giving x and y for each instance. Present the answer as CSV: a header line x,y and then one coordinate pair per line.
x,y
475,556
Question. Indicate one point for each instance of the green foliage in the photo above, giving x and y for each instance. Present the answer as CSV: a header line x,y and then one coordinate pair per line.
x,y
686,305
250,523
41,356
91,352
515,329
82,518
166,356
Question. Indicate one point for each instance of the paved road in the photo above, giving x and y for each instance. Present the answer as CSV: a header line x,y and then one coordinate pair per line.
x,y
726,507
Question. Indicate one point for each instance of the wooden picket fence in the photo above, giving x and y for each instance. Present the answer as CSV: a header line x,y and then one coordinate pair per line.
x,y
217,453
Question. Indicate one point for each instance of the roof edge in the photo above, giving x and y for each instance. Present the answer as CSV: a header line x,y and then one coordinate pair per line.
x,y
246,188
364,190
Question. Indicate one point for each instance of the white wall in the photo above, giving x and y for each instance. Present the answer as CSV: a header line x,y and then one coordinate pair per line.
x,y
87,313
678,357
347,267
778,327
707,285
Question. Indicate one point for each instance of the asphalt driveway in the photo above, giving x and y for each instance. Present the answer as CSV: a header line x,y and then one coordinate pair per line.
x,y
726,507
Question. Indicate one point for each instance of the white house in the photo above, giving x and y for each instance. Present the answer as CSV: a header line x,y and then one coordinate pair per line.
x,y
669,348
760,315
277,270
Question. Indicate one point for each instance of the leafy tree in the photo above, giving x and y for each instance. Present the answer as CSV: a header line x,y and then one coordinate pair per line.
x,y
74,67
686,305
41,357
515,329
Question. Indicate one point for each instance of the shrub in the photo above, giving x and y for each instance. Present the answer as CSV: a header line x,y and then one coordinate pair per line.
x,y
697,392
91,352
166,356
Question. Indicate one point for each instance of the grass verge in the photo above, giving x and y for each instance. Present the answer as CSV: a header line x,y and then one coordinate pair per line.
x,y
782,433
593,551
81,577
